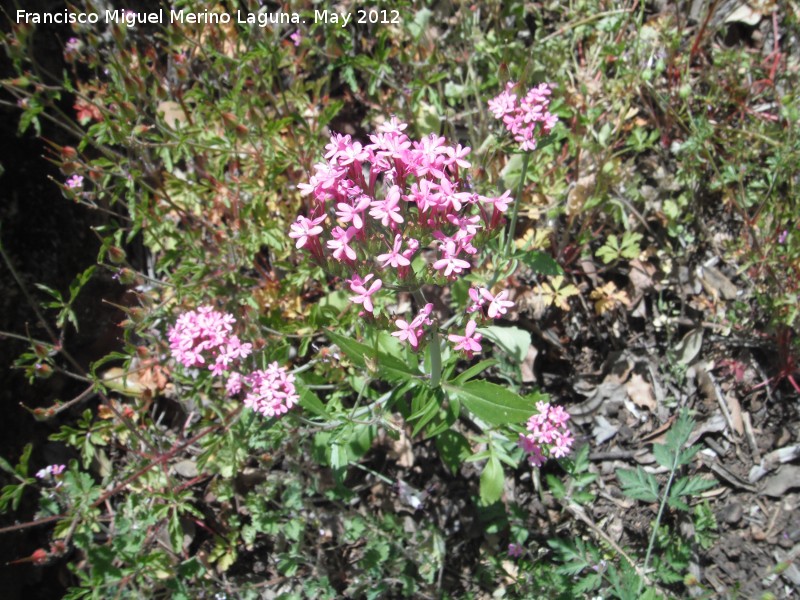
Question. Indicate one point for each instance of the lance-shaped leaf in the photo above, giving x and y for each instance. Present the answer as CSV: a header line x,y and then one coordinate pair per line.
x,y
492,403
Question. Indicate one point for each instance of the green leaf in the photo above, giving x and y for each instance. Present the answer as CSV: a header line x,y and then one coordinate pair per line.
x,y
492,403
175,530
474,370
492,481
557,487
663,456
310,401
680,431
638,484
365,357
541,262
6,466
513,340
687,486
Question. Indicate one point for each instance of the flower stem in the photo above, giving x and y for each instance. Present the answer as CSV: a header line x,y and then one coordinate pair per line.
x,y
515,211
434,345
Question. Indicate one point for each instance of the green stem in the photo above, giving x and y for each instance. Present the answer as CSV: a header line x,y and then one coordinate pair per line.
x,y
433,345
515,211
654,533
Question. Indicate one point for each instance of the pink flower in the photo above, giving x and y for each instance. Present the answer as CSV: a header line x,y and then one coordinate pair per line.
x,y
352,213
498,305
406,332
412,332
548,428
296,38
51,471
272,392
305,229
562,444
449,263
340,241
525,119
469,342
364,295
394,258
423,318
75,182
515,550
456,157
387,209
234,384
204,337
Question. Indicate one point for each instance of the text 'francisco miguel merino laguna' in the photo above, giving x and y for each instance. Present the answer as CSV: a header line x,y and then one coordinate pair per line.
x,y
131,18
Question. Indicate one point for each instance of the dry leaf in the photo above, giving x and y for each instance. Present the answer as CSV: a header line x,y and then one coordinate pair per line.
x,y
641,276
641,392
578,194
736,413
557,293
402,451
716,284
608,297
526,366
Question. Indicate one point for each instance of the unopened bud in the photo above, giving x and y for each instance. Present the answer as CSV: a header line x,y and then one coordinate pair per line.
x,y
126,276
116,255
42,370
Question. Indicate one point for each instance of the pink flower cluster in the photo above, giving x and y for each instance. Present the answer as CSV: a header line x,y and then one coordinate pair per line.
x,y
203,336
272,392
547,429
377,207
526,118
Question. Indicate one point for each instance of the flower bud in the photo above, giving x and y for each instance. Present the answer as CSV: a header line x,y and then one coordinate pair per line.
x,y
116,255
126,276
42,370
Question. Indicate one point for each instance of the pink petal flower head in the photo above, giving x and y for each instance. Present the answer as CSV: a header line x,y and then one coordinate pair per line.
x,y
75,182
525,118
456,157
387,209
449,264
234,384
477,300
204,337
423,318
406,332
514,550
393,125
352,212
340,243
296,38
304,229
469,342
363,295
394,258
272,392
498,305
562,444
